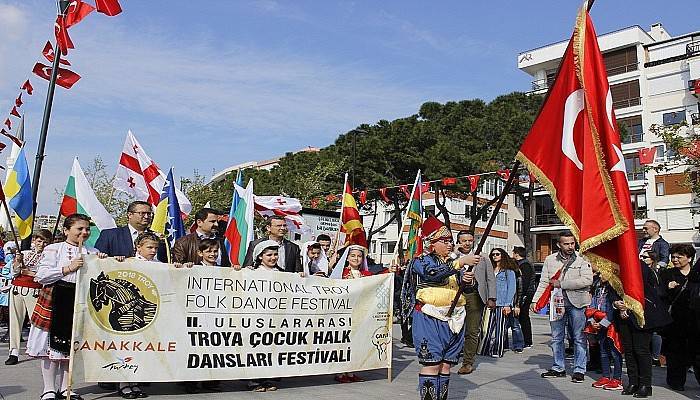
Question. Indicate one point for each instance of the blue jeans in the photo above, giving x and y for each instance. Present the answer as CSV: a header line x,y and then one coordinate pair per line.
x,y
576,319
608,355
656,342
518,338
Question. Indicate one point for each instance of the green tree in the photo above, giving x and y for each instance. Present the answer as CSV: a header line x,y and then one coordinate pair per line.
x,y
683,144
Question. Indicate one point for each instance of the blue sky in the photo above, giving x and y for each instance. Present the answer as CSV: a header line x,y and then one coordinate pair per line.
x,y
204,85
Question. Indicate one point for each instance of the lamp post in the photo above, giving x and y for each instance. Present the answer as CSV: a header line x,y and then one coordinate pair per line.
x,y
354,153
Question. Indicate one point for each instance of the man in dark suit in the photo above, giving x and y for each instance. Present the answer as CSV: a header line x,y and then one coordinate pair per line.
x,y
289,253
120,241
528,286
185,249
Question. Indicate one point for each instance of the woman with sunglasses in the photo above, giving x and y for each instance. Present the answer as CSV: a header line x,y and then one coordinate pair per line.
x,y
494,323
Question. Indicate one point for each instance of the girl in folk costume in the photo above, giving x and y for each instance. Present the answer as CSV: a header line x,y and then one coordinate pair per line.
x,y
351,265
432,282
24,290
265,256
52,321
493,326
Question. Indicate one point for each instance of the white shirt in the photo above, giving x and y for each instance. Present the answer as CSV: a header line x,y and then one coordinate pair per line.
x,y
134,235
280,253
54,258
647,246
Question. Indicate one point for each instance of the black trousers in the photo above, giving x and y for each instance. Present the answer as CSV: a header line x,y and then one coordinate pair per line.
x,y
637,347
525,324
677,365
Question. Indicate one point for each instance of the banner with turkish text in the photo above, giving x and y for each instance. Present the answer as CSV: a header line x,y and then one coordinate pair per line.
x,y
141,321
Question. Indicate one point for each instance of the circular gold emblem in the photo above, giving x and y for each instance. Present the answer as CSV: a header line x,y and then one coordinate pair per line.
x,y
123,301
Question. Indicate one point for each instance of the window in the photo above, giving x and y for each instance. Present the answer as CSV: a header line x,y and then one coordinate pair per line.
x,y
674,118
620,61
634,132
625,94
660,189
502,218
518,226
660,154
388,247
639,204
635,171
672,184
467,211
485,216
374,246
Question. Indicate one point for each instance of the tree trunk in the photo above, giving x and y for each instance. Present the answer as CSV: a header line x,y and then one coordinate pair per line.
x,y
441,205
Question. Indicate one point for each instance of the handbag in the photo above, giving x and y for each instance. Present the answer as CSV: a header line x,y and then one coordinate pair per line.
x,y
670,307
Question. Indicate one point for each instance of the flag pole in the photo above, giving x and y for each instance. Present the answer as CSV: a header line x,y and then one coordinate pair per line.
x,y
62,7
403,220
487,230
340,221
9,218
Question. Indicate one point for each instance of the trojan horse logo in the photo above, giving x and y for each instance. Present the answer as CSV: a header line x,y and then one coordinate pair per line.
x,y
125,304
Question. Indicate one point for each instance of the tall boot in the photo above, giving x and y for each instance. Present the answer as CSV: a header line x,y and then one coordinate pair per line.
x,y
428,387
444,385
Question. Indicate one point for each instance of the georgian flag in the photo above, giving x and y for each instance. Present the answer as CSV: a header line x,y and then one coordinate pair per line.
x,y
286,207
139,176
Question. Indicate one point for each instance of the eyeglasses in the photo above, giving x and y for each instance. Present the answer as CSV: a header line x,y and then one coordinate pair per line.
x,y
143,213
495,254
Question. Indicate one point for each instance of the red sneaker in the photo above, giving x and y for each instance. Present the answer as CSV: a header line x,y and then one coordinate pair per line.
x,y
600,383
343,379
614,384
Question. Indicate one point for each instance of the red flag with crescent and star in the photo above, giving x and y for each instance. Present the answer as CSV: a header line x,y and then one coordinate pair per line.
x,y
473,182
574,150
65,78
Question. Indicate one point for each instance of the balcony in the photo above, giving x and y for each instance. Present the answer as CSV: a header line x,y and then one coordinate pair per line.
x,y
540,84
695,118
622,69
635,175
692,48
547,220
631,102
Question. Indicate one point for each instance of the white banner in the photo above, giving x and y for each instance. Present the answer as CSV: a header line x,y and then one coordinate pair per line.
x,y
142,321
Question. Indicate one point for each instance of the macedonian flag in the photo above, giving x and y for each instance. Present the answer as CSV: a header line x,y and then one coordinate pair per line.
x,y
351,220
574,150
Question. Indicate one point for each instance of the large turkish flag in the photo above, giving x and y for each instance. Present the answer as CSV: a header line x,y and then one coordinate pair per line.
x,y
574,150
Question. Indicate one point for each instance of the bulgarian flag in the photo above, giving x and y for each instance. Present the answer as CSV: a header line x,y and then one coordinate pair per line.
x,y
80,198
350,219
415,215
240,229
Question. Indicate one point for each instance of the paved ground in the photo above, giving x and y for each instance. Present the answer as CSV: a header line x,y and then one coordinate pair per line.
x,y
516,376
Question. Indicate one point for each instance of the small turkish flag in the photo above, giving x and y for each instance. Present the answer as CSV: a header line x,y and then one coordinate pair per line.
x,y
424,187
449,181
15,112
8,123
62,39
50,55
473,182
108,7
504,174
65,78
28,87
363,196
382,194
696,86
404,189
646,155
77,10
314,203
18,101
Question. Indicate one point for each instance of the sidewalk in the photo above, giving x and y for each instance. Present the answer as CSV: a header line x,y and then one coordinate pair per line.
x,y
515,376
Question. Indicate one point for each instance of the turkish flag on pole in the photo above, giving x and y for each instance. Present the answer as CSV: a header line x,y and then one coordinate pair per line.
x,y
28,87
65,78
473,182
77,10
62,39
574,150
108,7
50,55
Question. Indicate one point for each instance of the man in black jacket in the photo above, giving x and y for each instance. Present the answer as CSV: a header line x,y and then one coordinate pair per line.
x,y
527,275
289,253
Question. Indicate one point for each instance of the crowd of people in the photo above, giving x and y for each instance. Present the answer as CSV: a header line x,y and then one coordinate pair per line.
x,y
454,304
